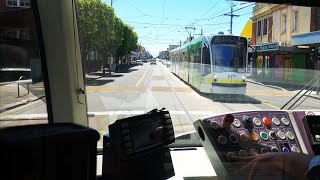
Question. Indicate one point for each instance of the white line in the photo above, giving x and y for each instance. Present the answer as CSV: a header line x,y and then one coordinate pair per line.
x,y
143,76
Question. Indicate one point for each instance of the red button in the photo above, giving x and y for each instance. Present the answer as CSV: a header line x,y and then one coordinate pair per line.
x,y
267,121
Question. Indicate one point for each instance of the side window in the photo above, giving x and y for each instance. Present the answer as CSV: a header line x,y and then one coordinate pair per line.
x,y
206,68
22,88
205,55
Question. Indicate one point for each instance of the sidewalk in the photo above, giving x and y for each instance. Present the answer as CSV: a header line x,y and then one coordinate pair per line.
x,y
293,88
9,95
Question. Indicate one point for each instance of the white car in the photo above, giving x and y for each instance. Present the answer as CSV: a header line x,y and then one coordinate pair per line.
x,y
139,62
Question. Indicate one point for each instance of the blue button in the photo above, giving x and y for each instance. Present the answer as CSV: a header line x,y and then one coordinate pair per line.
x,y
274,149
285,149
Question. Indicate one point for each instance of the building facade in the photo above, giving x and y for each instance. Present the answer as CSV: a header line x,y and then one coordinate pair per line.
x,y
278,58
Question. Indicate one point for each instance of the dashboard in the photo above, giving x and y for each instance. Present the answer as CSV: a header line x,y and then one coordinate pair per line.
x,y
216,139
255,132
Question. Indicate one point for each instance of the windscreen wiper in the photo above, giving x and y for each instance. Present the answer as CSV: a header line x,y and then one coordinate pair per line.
x,y
313,82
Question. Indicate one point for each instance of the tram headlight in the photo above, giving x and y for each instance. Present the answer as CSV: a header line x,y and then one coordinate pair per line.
x,y
215,78
244,78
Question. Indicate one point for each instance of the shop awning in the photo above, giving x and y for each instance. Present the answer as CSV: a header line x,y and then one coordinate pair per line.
x,y
306,39
247,30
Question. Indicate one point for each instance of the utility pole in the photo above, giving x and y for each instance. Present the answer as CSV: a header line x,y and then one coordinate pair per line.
x,y
111,3
231,17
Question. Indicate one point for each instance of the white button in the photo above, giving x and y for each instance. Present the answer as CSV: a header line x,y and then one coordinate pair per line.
x,y
272,135
243,153
285,121
257,121
276,121
214,125
290,135
281,135
317,137
231,154
295,149
236,123
253,152
222,139
233,138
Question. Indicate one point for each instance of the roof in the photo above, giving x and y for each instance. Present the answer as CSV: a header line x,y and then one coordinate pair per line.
x,y
306,39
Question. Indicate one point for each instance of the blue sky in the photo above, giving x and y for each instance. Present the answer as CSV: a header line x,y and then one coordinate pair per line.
x,y
162,22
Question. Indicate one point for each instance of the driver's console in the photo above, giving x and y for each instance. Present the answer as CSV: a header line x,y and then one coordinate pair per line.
x,y
256,132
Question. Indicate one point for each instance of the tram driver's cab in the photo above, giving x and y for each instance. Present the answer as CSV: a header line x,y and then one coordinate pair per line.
x,y
139,146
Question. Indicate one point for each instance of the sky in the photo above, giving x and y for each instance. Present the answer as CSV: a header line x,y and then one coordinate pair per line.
x,y
160,23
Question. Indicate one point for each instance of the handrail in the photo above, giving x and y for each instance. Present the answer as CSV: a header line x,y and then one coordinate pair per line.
x,y
305,87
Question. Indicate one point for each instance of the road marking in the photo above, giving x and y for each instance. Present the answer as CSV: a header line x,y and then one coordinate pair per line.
x,y
266,103
143,76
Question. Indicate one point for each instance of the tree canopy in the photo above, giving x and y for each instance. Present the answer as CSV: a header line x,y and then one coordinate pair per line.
x,y
100,29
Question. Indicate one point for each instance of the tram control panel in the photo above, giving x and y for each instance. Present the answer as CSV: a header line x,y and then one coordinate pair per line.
x,y
256,132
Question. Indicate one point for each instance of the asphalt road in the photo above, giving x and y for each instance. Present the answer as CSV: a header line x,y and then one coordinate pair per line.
x,y
146,87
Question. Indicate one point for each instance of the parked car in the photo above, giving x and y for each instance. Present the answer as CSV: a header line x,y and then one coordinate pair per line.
x,y
153,61
139,62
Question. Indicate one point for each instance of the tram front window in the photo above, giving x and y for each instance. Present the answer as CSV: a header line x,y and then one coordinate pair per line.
x,y
229,58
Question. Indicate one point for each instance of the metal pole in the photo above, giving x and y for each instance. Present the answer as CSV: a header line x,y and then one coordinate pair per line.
x,y
18,90
111,3
231,18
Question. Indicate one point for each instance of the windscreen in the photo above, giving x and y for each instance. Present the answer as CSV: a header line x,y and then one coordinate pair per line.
x,y
229,58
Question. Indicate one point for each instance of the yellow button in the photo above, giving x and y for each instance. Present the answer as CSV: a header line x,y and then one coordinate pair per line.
x,y
254,136
244,137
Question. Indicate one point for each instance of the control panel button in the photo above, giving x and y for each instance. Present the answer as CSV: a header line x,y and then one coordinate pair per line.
x,y
274,149
124,125
290,135
214,125
126,138
222,139
276,121
243,153
285,121
236,123
247,122
125,131
317,137
230,154
264,136
253,152
257,121
244,137
264,150
267,121
254,136
233,138
281,135
285,149
272,135
295,149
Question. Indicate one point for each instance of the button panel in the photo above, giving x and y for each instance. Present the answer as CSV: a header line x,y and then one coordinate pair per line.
x,y
253,133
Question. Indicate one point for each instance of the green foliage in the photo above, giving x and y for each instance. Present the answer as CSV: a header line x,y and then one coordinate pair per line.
x,y
100,29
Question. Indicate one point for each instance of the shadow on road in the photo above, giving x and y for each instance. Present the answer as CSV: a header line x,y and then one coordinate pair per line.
x,y
231,98
225,98
107,74
98,82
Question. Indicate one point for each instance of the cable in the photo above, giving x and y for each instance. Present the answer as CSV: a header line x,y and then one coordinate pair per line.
x,y
306,96
206,12
138,8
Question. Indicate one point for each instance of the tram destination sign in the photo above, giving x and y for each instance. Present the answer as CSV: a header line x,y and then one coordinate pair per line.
x,y
267,47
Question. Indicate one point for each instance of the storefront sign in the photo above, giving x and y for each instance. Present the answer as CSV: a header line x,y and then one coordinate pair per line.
x,y
267,47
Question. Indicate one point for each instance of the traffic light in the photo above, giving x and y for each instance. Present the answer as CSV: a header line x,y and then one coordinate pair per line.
x,y
252,56
318,53
313,54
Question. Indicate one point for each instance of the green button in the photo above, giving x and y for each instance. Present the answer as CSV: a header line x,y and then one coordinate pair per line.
x,y
264,135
